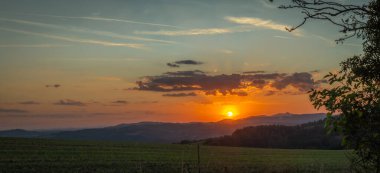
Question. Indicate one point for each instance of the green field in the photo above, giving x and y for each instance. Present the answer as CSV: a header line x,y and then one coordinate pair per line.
x,y
45,155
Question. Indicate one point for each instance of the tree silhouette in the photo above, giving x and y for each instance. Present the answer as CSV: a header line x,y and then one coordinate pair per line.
x,y
352,98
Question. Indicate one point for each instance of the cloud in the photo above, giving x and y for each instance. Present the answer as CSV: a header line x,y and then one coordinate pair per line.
x,y
84,30
76,40
206,31
257,22
2,110
246,24
53,86
69,102
146,102
239,93
189,62
261,23
120,102
254,72
172,65
270,93
107,20
183,62
282,37
302,81
126,21
233,84
197,31
120,36
29,103
33,45
186,73
180,94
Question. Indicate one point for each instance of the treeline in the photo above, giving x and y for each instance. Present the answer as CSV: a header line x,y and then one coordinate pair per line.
x,y
306,136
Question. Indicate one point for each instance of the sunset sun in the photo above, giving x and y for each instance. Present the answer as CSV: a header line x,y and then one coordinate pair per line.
x,y
230,114
230,111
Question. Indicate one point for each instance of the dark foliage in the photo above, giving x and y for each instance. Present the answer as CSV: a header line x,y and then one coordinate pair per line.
x,y
305,136
354,91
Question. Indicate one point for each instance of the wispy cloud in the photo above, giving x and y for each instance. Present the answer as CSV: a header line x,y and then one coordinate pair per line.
x,y
125,21
246,24
195,32
207,31
107,20
84,30
120,102
257,22
282,37
2,110
191,94
76,40
53,86
326,40
32,45
114,35
69,102
333,43
29,103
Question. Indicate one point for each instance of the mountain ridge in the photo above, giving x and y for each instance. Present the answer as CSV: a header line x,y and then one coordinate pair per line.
x,y
167,132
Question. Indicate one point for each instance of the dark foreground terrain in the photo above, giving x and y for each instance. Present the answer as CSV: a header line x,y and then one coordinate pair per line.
x,y
47,155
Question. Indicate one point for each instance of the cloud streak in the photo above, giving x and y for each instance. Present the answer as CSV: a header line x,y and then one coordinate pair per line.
x,y
32,45
2,110
183,62
107,20
246,24
76,40
29,103
69,102
206,31
120,102
261,23
84,30
196,32
53,86
191,94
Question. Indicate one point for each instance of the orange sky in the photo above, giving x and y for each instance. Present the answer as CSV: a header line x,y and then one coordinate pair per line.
x,y
99,63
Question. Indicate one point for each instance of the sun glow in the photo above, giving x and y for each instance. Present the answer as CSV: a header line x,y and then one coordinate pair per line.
x,y
230,114
230,111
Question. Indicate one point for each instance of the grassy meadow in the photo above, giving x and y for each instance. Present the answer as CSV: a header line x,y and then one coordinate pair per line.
x,y
47,155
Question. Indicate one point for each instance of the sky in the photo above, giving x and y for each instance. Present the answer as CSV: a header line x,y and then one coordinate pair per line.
x,y
94,63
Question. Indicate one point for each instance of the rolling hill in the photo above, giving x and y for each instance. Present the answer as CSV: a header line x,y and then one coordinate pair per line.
x,y
164,132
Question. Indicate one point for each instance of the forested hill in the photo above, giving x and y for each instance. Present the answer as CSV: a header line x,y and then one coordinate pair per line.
x,y
167,132
306,136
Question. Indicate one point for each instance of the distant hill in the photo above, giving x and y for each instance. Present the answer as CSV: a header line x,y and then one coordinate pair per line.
x,y
305,136
19,133
169,132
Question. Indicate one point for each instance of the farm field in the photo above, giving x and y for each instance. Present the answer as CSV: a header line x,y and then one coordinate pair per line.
x,y
47,155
